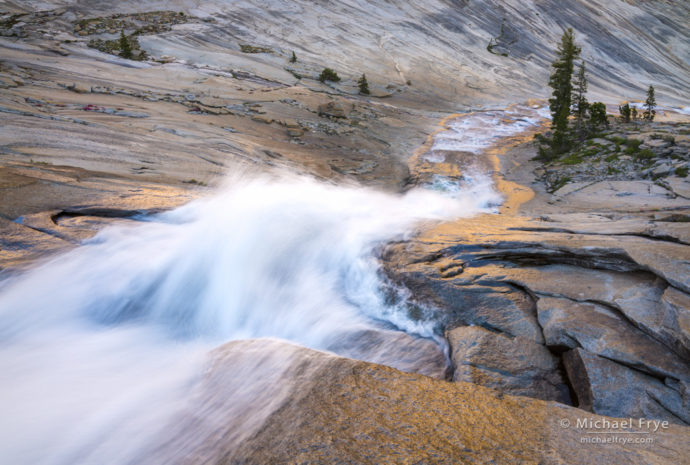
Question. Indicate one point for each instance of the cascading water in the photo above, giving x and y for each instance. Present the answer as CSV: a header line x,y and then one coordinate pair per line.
x,y
99,347
101,341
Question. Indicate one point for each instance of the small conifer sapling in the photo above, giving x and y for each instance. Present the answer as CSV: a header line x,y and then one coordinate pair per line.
x,y
125,47
363,85
650,104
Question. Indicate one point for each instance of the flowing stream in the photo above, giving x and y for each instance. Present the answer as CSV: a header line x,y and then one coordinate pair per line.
x,y
98,345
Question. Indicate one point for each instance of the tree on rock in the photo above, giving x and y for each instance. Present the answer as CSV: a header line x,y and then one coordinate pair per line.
x,y
580,103
650,104
363,85
625,112
597,116
329,75
125,47
561,83
293,58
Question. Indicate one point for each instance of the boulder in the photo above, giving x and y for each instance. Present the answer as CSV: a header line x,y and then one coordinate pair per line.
x,y
266,401
295,132
332,110
513,365
456,299
608,388
673,315
601,331
397,349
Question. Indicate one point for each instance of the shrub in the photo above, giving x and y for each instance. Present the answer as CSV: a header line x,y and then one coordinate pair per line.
x,y
633,144
669,138
617,139
682,171
560,182
329,75
611,158
645,154
544,153
597,116
363,85
572,159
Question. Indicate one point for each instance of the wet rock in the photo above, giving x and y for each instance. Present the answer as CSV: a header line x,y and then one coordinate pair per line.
x,y
332,110
608,388
397,349
515,366
266,401
458,299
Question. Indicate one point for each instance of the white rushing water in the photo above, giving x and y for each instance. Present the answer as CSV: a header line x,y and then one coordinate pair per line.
x,y
477,131
98,345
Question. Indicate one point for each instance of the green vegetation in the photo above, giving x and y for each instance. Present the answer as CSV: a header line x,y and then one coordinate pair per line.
x,y
633,143
494,42
329,75
580,103
650,104
294,73
682,171
560,182
561,83
195,182
293,58
624,110
617,139
597,117
246,48
363,85
645,154
125,47
572,159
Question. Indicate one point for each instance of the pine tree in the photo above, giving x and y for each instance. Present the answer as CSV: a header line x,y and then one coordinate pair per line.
x,y
625,112
125,47
363,85
293,59
650,104
580,103
561,83
633,113
597,116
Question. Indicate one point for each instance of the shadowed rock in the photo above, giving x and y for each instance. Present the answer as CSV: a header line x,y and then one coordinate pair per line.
x,y
607,388
515,366
602,332
674,320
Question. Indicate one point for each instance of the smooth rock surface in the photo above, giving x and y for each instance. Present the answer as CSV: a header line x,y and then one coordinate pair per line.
x,y
304,411
516,366
608,388
602,332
